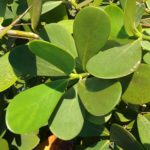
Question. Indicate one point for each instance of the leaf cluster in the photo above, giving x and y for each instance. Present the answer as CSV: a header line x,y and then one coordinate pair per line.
x,y
79,70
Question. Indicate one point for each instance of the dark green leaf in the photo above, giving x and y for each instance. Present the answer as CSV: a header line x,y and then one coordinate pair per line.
x,y
98,120
90,130
26,64
101,145
3,4
123,138
53,54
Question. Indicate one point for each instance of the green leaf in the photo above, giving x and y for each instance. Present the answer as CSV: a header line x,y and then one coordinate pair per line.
x,y
99,96
145,45
101,145
96,2
68,120
53,54
4,145
123,138
28,141
123,2
49,5
129,17
143,125
35,12
26,64
98,120
89,130
121,117
91,31
60,37
55,15
116,19
148,3
137,91
3,4
67,24
140,9
112,63
146,58
7,76
33,107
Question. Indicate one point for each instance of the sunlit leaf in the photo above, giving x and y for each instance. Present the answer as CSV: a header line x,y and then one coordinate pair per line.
x,y
67,24
34,107
60,37
117,22
146,58
91,31
145,45
112,63
7,76
129,17
49,5
4,144
28,141
35,12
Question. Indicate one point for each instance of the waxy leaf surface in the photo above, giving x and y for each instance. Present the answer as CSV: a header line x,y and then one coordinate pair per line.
x,y
123,138
129,17
91,31
116,19
99,96
60,37
35,12
138,89
116,62
26,64
53,54
31,109
68,120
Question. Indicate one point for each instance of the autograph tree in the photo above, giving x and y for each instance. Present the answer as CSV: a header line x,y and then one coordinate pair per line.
x,y
76,71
